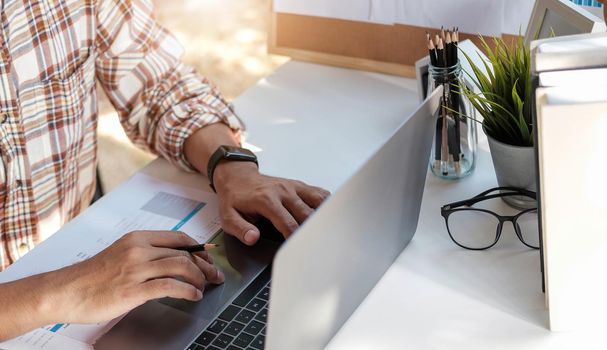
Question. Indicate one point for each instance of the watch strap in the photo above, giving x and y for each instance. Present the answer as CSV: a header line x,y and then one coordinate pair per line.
x,y
230,153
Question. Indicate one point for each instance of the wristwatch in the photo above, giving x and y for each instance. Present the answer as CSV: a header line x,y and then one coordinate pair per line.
x,y
228,153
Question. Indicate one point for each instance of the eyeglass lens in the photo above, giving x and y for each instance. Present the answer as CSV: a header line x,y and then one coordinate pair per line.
x,y
486,228
482,236
528,228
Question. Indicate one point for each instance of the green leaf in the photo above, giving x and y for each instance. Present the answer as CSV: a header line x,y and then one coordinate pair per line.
x,y
506,92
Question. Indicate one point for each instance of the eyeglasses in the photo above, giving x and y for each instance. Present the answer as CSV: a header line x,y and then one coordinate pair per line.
x,y
460,216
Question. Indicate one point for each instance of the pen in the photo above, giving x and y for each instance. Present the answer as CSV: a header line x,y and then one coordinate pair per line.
x,y
437,143
198,247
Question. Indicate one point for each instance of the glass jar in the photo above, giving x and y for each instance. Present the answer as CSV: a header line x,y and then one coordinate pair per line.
x,y
453,153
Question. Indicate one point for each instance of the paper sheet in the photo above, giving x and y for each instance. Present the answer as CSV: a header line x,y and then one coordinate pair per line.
x,y
355,10
471,16
145,204
44,339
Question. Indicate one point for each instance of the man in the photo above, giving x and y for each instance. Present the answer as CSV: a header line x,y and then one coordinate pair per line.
x,y
51,53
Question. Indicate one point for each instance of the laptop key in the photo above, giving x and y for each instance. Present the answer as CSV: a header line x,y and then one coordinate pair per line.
x,y
254,327
234,328
213,348
229,313
243,340
256,304
205,338
194,346
217,326
245,316
259,342
223,341
263,331
262,316
232,347
253,288
246,295
264,294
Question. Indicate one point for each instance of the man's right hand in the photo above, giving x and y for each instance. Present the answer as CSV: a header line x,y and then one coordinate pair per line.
x,y
140,266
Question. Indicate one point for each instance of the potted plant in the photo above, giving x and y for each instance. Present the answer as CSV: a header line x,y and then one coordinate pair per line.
x,y
505,103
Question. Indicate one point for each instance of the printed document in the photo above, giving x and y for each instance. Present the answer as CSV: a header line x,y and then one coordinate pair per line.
x,y
142,203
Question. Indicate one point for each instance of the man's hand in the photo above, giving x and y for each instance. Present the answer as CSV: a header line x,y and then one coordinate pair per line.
x,y
140,266
245,195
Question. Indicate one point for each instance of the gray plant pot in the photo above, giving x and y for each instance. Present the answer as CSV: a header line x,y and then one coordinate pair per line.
x,y
514,167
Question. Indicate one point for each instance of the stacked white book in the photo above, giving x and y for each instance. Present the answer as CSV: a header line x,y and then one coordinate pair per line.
x,y
571,125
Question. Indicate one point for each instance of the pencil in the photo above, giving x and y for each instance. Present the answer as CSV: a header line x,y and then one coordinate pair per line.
x,y
432,53
198,247
440,52
449,50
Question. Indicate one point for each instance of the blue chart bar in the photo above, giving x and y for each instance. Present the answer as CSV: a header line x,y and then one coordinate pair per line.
x,y
56,327
592,3
188,217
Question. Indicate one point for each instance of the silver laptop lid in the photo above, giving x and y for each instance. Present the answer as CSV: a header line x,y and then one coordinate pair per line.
x,y
322,273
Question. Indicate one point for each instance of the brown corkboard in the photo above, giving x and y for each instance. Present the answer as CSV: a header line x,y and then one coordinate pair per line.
x,y
391,49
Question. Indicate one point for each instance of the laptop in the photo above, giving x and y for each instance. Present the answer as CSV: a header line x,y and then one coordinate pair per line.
x,y
297,294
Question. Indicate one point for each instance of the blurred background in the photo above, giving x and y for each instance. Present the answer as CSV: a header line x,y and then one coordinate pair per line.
x,y
224,40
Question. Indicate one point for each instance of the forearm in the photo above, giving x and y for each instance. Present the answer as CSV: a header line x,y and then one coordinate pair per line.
x,y
199,147
25,304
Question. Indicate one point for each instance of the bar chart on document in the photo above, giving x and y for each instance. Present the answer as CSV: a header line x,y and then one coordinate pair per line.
x,y
148,204
592,3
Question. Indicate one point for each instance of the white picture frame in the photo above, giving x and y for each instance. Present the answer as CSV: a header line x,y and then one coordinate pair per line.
x,y
575,15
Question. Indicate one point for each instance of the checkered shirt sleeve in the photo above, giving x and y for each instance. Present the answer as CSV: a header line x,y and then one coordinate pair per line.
x,y
160,100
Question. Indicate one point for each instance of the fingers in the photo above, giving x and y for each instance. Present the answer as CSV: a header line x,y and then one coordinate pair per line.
x,y
179,267
206,256
168,239
211,273
192,269
280,217
312,196
233,223
298,209
286,204
161,253
169,287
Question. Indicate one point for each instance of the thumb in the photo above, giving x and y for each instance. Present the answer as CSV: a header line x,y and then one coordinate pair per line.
x,y
233,223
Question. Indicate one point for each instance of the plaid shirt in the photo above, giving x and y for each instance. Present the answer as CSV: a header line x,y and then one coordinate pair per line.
x,y
51,51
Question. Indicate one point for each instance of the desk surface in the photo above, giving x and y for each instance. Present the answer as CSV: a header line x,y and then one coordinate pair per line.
x,y
319,124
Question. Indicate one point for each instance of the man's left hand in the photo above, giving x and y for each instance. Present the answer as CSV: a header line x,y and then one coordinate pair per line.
x,y
245,195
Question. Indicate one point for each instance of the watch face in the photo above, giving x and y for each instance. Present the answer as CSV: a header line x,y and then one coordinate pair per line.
x,y
232,151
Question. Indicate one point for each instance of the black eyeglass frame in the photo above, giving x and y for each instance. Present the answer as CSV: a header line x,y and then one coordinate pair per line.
x,y
448,209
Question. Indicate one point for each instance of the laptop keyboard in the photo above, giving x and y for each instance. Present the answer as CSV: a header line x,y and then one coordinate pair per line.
x,y
242,324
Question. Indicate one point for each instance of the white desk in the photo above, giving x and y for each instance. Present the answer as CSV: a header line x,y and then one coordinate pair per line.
x,y
319,124
436,295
